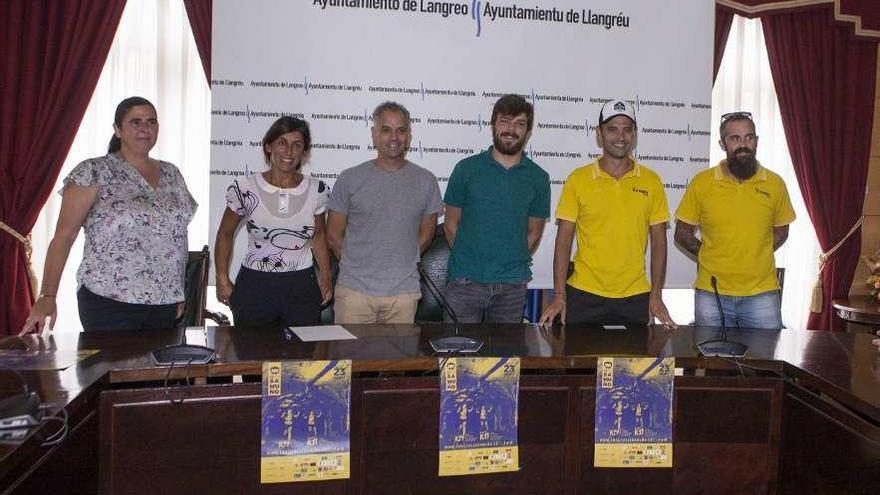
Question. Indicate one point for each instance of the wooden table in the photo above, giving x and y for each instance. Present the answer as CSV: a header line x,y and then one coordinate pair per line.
x,y
861,313
800,415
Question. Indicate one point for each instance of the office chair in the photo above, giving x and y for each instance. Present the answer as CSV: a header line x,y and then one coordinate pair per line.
x,y
327,313
196,291
435,262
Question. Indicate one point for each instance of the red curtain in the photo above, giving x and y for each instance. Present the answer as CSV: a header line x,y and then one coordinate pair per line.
x,y
825,79
723,20
53,53
199,13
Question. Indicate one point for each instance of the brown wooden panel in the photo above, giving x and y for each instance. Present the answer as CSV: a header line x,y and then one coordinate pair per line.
x,y
721,468
624,480
69,468
210,443
826,450
611,480
726,441
722,415
399,440
405,419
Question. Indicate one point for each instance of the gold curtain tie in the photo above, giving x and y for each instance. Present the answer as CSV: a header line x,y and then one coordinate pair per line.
x,y
816,300
28,249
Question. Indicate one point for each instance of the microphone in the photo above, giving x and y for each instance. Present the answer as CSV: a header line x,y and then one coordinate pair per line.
x,y
452,343
714,282
183,353
721,347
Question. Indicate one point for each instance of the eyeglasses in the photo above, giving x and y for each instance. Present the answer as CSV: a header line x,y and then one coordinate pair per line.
x,y
728,116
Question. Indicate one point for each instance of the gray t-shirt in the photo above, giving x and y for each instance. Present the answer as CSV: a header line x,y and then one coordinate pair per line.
x,y
380,248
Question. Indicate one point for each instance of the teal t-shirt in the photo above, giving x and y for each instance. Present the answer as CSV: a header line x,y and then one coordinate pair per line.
x,y
491,244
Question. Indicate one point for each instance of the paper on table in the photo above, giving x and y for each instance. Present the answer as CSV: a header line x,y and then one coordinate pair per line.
x,y
196,336
325,332
614,327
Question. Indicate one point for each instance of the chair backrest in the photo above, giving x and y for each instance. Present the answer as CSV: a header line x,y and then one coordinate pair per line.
x,y
196,287
435,262
327,314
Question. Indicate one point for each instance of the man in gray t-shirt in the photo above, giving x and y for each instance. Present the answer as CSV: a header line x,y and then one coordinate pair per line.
x,y
383,213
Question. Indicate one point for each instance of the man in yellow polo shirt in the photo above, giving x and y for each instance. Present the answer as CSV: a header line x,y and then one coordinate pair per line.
x,y
743,211
613,204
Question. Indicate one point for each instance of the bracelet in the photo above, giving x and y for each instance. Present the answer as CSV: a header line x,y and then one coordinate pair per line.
x,y
48,295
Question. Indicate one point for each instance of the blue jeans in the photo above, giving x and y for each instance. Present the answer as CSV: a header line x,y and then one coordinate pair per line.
x,y
758,311
474,302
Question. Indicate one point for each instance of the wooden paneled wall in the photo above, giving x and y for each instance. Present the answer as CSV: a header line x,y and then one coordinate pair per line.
x,y
871,210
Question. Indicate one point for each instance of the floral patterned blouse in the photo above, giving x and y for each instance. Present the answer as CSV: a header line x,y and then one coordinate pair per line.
x,y
135,236
280,222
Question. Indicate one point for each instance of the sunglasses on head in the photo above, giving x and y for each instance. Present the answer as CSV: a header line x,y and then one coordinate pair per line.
x,y
728,116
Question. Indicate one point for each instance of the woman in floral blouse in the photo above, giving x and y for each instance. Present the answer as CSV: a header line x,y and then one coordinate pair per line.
x,y
284,214
134,210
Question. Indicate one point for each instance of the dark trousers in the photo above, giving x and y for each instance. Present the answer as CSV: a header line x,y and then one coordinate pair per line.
x,y
585,307
276,299
102,313
474,302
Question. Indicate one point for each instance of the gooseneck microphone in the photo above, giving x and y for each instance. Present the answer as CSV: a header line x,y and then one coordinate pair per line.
x,y
721,347
452,343
714,282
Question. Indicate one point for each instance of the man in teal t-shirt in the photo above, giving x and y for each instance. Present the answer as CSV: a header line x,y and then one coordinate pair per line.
x,y
496,205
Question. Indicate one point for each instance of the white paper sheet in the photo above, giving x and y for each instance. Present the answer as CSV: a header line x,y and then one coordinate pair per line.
x,y
324,332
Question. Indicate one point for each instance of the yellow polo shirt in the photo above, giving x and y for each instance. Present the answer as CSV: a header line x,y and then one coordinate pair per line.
x,y
612,217
736,221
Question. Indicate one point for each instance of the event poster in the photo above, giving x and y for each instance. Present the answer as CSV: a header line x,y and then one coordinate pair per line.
x,y
478,415
304,432
634,412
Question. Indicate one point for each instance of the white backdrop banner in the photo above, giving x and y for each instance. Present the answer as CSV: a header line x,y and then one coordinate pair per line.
x,y
332,61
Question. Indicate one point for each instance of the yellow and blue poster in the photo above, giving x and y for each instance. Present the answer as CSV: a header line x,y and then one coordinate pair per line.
x,y
306,421
634,412
478,415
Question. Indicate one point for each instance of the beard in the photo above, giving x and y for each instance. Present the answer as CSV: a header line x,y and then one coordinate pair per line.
x,y
508,149
616,152
742,165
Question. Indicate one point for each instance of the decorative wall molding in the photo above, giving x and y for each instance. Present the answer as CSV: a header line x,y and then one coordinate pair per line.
x,y
854,11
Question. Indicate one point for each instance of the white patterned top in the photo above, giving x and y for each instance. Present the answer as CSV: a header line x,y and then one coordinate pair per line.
x,y
280,222
135,236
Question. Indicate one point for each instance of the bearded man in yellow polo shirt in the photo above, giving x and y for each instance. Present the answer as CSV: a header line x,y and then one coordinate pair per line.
x,y
742,211
613,204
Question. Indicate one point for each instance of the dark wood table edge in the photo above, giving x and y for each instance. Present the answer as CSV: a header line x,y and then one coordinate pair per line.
x,y
849,312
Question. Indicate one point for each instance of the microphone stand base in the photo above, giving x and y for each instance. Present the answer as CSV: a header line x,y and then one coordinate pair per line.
x,y
722,348
456,344
183,354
